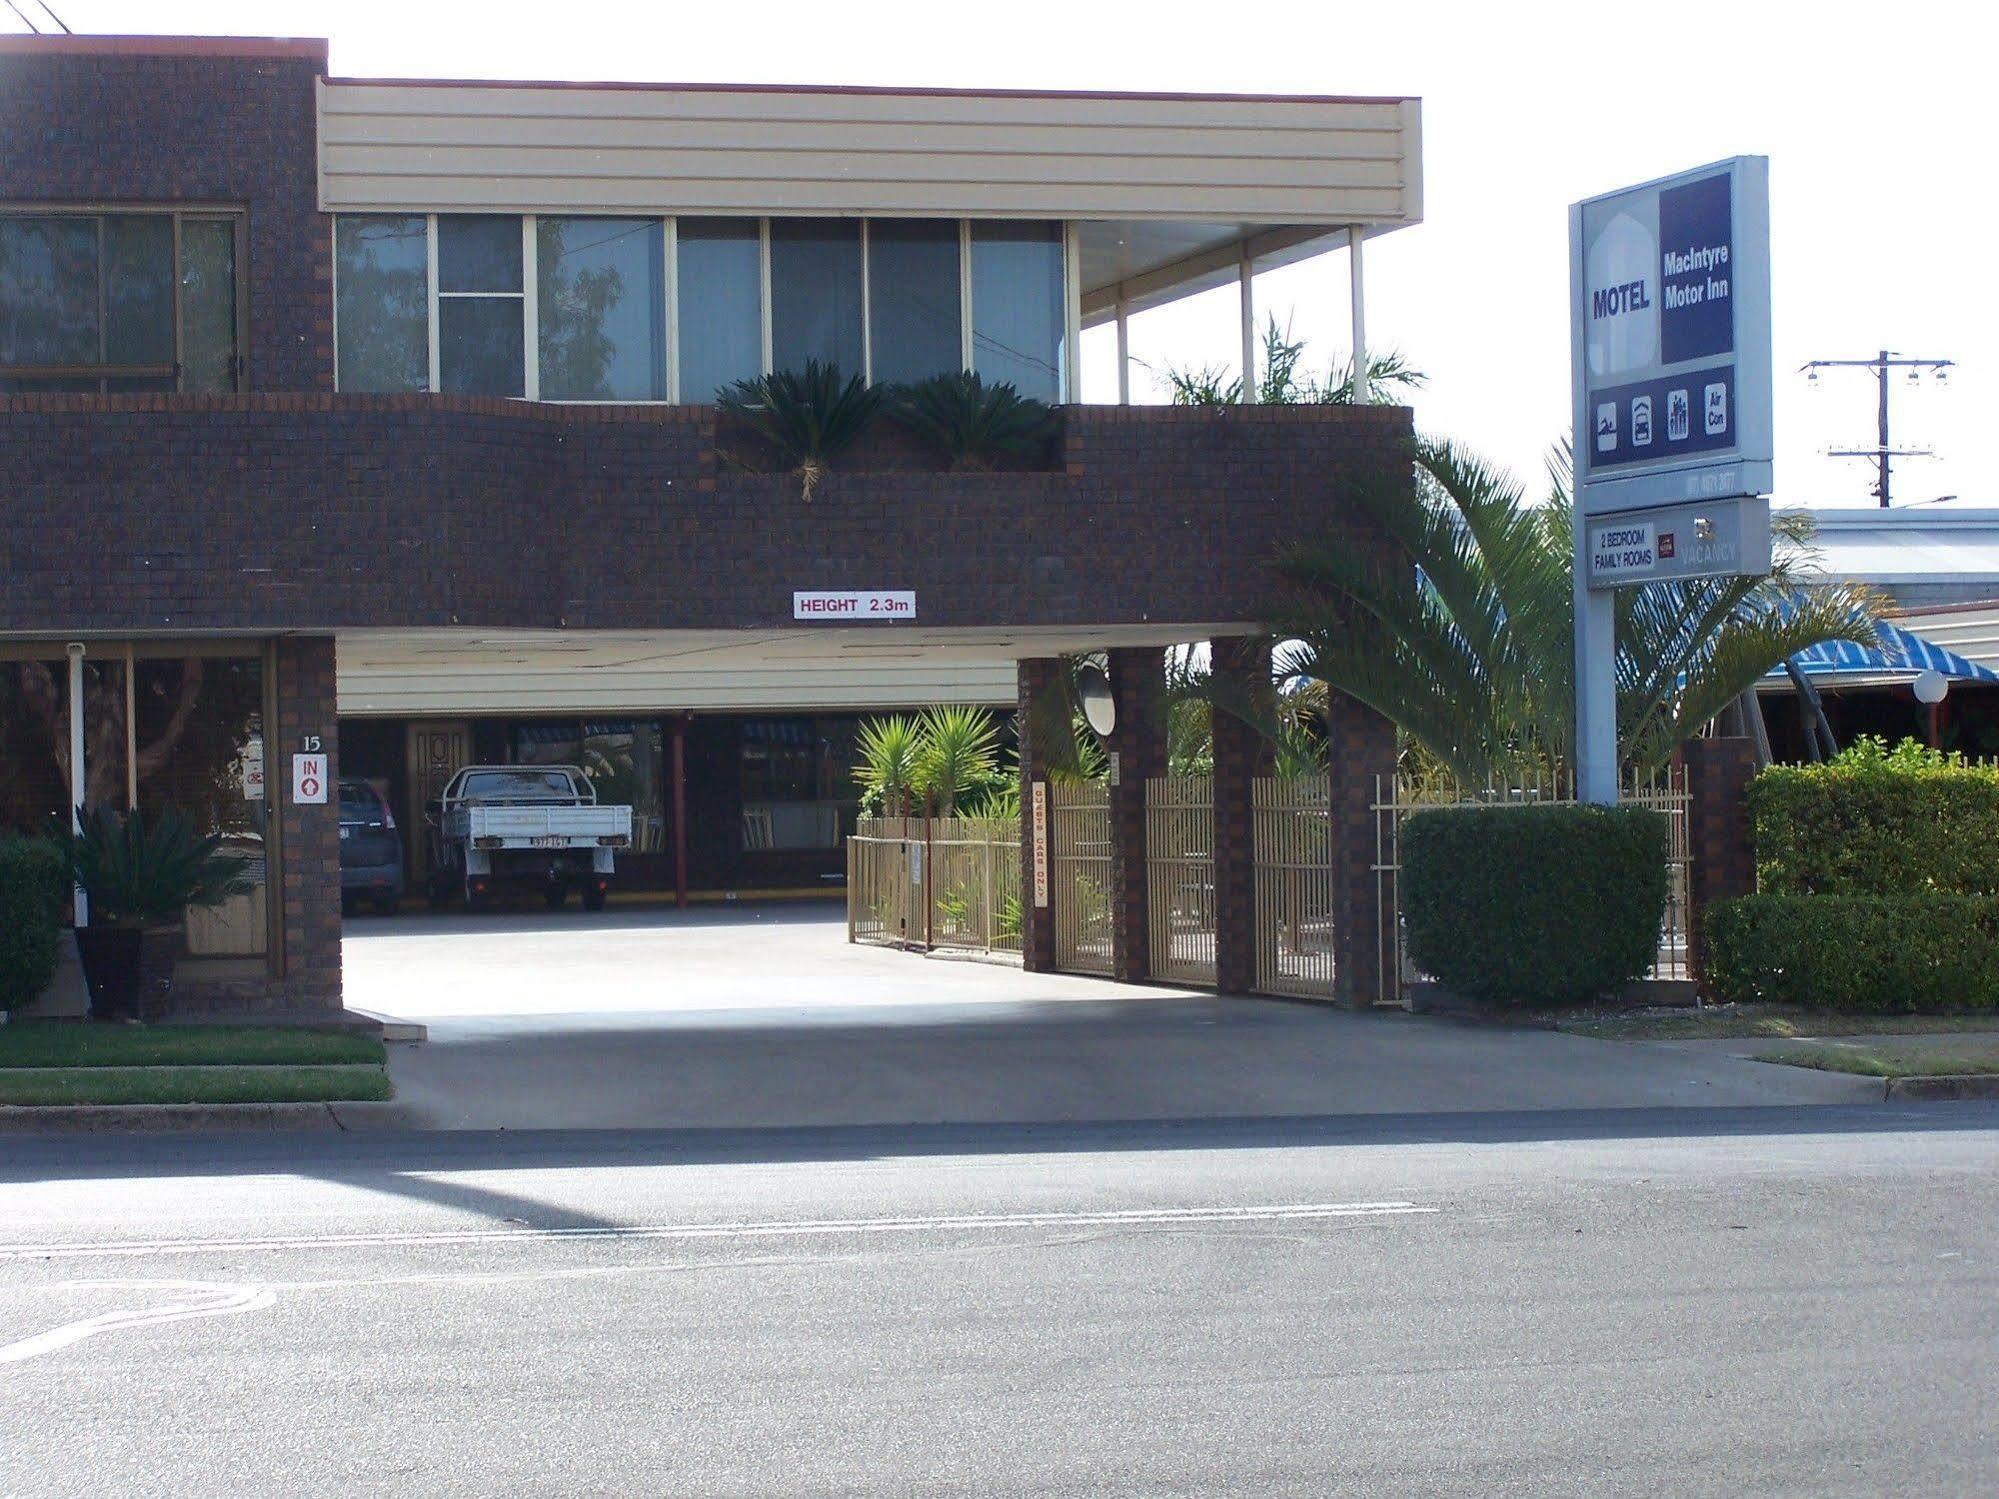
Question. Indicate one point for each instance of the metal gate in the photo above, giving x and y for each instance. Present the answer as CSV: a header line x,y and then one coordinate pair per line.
x,y
1079,858
1293,853
1180,877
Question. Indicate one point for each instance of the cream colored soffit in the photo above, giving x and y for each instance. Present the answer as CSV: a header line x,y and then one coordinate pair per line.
x,y
411,147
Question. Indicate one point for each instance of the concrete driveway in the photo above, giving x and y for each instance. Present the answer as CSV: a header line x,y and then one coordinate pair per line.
x,y
747,1016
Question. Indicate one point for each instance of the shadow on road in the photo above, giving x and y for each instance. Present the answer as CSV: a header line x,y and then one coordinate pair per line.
x,y
384,1161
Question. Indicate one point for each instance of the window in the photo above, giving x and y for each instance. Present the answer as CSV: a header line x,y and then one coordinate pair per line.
x,y
915,322
383,308
797,782
88,301
720,295
481,350
1019,310
600,297
815,293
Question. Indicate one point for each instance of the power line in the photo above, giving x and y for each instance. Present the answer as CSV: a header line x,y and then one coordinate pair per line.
x,y
32,27
44,4
1884,452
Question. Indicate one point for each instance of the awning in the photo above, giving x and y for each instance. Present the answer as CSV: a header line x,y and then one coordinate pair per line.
x,y
1896,653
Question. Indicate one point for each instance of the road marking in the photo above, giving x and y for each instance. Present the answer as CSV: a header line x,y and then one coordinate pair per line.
x,y
829,1227
210,1300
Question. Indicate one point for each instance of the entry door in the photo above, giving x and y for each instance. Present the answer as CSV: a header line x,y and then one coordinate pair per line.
x,y
437,751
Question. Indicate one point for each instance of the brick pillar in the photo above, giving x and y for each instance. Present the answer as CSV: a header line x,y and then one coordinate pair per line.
x,y
1241,669
1719,844
1361,755
308,836
1040,692
1138,741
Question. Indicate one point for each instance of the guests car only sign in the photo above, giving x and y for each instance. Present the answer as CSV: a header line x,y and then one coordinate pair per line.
x,y
1670,323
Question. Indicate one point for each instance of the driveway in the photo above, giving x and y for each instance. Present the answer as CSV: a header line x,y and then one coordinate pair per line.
x,y
748,1016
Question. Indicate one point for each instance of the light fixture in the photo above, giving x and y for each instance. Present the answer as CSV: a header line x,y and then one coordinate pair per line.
x,y
1943,374
1812,378
1930,687
1915,376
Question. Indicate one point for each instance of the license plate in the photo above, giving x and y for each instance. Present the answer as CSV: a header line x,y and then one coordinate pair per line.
x,y
549,840
346,832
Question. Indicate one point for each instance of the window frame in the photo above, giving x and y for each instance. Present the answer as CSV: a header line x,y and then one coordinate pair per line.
x,y
236,215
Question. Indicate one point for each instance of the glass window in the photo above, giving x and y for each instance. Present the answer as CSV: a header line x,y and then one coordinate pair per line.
x,y
624,762
478,253
481,346
139,289
601,305
48,291
798,788
383,310
815,293
1018,310
915,321
208,304
198,725
720,294
87,302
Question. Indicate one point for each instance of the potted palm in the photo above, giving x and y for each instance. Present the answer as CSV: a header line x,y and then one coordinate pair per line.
x,y
139,881
806,418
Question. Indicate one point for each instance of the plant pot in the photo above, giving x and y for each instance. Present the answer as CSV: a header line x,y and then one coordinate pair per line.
x,y
130,969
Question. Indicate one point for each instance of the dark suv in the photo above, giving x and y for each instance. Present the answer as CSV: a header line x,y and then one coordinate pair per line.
x,y
371,850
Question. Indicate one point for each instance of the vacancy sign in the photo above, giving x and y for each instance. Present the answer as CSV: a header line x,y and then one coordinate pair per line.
x,y
853,604
309,780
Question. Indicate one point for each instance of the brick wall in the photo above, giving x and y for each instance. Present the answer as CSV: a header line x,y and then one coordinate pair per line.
x,y
164,121
1138,686
1718,832
309,835
1241,669
321,512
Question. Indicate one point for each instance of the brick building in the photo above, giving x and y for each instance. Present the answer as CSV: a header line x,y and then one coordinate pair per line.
x,y
378,415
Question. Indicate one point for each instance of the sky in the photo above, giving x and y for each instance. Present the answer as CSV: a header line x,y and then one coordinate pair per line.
x,y
1879,121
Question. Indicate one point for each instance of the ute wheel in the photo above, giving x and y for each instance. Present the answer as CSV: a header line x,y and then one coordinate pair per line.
x,y
477,901
387,903
554,896
593,898
439,893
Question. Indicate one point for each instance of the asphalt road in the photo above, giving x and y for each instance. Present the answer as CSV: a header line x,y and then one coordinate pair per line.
x,y
1780,1300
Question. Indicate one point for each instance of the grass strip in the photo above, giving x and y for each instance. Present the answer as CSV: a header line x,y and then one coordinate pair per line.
x,y
87,1085
87,1043
1891,1061
1779,1022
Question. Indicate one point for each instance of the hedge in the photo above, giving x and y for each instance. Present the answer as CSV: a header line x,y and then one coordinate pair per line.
x,y
31,891
1876,822
1534,905
1913,951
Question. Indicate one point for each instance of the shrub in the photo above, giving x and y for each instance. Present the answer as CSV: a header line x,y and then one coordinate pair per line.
x,y
1534,905
972,424
1916,950
138,874
1876,822
808,417
31,893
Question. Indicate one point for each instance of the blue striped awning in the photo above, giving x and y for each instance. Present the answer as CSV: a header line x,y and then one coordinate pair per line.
x,y
1895,651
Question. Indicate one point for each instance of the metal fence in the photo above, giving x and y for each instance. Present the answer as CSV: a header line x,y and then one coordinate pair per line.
x,y
1079,857
1180,877
1292,846
1663,791
941,882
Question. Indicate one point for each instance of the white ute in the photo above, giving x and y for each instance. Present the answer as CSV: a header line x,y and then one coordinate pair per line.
x,y
533,826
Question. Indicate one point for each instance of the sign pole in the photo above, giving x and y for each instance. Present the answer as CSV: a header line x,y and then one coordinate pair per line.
x,y
1596,687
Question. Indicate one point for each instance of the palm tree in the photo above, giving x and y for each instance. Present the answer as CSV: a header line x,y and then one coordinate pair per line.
x,y
891,753
1284,381
1463,637
958,748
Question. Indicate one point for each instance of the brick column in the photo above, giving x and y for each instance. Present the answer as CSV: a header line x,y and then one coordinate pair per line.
x,y
1040,688
1138,685
309,836
1722,851
1361,754
1241,669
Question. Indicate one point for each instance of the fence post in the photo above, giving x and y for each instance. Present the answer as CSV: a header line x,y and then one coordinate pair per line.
x,y
986,879
1721,853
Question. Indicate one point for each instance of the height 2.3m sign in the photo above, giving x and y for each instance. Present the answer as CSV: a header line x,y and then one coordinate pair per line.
x,y
1671,325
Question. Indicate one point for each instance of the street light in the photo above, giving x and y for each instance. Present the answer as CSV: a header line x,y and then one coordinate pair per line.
x,y
1931,687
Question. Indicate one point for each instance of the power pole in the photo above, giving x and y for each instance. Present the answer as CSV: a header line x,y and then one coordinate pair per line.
x,y
1883,452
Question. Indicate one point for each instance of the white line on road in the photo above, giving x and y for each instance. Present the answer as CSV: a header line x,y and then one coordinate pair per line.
x,y
965,1222
210,1300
